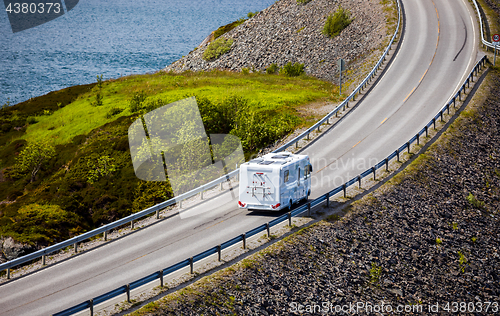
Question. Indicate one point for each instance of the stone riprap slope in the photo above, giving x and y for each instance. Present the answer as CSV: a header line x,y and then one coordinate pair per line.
x,y
430,236
288,32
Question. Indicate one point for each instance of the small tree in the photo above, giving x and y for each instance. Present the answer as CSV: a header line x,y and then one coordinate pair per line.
x,y
33,156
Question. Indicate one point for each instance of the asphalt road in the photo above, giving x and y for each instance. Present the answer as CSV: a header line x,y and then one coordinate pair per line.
x,y
438,49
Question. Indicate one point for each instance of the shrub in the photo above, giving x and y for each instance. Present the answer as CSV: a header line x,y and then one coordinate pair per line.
x,y
31,120
272,69
475,202
217,48
303,1
136,102
252,14
336,22
245,71
292,70
113,111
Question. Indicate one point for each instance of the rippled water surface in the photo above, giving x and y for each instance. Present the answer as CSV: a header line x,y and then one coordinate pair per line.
x,y
112,37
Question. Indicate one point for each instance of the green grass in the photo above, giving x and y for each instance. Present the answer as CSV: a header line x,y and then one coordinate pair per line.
x,y
265,92
84,135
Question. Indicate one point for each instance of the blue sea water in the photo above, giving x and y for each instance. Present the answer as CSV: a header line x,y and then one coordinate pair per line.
x,y
110,37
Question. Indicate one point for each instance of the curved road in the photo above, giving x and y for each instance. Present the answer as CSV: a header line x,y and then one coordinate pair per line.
x,y
438,49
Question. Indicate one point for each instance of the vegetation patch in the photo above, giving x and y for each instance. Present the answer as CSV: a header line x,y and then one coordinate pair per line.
x,y
74,157
292,70
217,48
336,22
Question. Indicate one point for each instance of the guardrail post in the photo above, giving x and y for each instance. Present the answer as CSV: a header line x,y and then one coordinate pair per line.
x,y
244,240
128,292
289,215
426,131
468,80
157,214
201,195
441,115
8,273
161,277
268,230
191,264
219,252
308,136
309,209
180,204
337,114
454,100
297,144
327,199
75,246
43,260
221,187
460,94
434,122
344,188
359,182
408,145
131,224
374,173
91,307
354,97
105,235
418,139
448,108
397,153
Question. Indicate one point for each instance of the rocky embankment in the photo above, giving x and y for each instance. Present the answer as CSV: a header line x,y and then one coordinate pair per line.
x,y
289,32
429,236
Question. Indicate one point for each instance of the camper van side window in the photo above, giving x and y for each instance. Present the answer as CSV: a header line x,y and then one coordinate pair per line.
x,y
286,176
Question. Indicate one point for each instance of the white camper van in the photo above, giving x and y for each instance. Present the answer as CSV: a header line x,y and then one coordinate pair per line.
x,y
275,181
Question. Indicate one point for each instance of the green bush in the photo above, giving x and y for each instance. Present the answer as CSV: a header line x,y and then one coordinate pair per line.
x,y
336,22
113,111
303,1
252,14
272,69
245,71
217,48
292,70
136,102
31,120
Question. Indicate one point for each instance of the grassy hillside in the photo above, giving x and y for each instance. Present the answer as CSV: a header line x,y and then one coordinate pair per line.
x,y
88,179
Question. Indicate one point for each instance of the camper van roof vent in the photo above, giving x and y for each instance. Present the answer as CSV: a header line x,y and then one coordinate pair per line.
x,y
281,156
266,162
256,160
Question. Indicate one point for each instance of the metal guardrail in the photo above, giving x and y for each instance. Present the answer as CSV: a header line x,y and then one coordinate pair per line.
x,y
156,208
485,42
306,207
